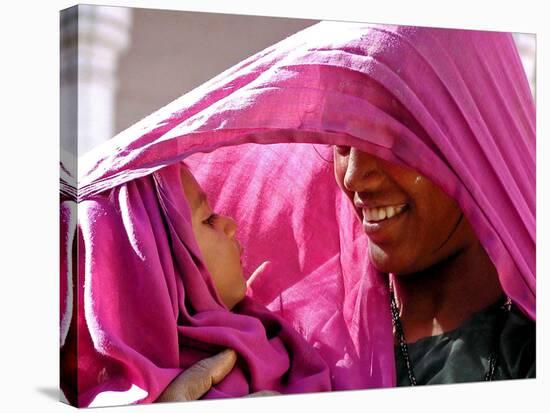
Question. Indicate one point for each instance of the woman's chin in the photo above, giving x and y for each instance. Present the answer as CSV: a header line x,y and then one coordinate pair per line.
x,y
385,260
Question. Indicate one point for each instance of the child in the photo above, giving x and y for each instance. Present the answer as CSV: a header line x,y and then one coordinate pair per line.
x,y
160,286
215,236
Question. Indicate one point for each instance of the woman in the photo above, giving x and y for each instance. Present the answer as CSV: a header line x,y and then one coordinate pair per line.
x,y
451,305
451,105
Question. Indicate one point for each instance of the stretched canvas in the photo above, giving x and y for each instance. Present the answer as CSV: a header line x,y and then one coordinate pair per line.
x,y
236,208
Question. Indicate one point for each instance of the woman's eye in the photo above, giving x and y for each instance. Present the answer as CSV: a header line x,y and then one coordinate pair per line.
x,y
342,150
211,219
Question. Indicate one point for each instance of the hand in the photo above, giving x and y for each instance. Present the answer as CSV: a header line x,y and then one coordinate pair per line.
x,y
194,382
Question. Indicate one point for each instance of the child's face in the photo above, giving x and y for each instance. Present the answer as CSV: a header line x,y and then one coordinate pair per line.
x,y
215,236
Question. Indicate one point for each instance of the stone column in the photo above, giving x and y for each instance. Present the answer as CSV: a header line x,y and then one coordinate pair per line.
x,y
92,39
527,47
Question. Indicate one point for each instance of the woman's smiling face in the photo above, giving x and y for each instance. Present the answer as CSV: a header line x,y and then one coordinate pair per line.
x,y
215,235
410,222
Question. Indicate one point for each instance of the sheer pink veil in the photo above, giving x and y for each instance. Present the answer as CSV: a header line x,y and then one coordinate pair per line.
x,y
258,138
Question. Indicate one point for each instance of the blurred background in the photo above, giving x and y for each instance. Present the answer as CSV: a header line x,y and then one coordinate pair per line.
x,y
120,64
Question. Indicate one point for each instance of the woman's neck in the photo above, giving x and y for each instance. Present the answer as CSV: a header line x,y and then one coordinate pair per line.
x,y
444,296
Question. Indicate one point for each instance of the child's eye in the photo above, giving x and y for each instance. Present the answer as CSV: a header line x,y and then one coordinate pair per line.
x,y
211,219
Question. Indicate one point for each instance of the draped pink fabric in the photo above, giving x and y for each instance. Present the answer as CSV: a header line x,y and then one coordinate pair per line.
x,y
258,139
147,307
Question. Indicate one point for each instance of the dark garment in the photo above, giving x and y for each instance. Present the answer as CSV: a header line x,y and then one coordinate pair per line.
x,y
462,355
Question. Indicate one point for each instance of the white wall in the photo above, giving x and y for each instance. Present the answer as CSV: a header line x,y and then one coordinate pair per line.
x,y
154,56
172,52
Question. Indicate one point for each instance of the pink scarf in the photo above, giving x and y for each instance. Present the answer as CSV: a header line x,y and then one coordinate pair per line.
x,y
473,135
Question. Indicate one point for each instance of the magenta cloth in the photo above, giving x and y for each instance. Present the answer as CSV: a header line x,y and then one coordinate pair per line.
x,y
147,307
474,136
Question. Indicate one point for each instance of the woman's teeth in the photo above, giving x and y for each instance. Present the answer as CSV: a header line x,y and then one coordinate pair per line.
x,y
382,213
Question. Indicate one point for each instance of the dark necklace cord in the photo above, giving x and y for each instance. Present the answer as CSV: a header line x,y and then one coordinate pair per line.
x,y
404,348
401,337
493,357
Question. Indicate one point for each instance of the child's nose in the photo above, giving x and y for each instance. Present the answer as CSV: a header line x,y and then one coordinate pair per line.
x,y
230,226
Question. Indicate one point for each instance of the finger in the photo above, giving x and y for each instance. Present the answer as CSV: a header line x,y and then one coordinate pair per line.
x,y
263,267
221,364
194,382
263,393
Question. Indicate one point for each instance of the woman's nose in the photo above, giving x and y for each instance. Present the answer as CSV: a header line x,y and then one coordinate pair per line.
x,y
363,172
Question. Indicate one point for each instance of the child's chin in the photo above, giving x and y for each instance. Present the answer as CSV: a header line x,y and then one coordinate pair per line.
x,y
239,294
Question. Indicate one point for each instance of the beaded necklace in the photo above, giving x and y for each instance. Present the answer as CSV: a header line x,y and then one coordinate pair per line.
x,y
404,348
